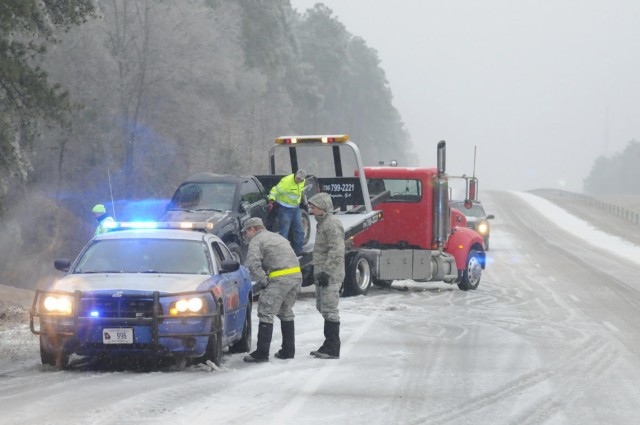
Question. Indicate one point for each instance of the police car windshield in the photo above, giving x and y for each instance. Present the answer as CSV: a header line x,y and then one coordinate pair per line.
x,y
145,256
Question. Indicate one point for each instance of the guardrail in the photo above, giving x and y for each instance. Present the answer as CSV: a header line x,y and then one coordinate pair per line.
x,y
616,210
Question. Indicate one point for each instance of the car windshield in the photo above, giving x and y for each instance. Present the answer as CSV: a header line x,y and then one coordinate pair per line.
x,y
204,196
475,211
145,256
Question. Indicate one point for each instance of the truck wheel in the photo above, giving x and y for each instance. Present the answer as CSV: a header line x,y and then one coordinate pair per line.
x,y
471,273
358,276
244,344
57,358
214,346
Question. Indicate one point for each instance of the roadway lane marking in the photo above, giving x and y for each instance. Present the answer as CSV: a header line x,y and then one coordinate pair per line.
x,y
611,326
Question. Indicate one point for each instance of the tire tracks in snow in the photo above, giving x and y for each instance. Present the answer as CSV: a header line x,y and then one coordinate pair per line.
x,y
287,414
594,356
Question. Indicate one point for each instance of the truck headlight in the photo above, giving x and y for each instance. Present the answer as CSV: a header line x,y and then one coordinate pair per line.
x,y
186,305
483,228
62,304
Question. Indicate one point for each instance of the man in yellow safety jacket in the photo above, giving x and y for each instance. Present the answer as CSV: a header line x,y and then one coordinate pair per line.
x,y
288,193
100,212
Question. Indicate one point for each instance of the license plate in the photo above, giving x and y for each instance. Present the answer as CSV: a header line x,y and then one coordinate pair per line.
x,y
117,336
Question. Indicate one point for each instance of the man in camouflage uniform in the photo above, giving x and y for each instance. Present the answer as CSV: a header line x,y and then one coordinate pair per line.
x,y
328,270
275,267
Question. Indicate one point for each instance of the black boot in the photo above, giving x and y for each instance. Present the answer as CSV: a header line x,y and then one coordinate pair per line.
x,y
265,331
288,349
331,347
323,347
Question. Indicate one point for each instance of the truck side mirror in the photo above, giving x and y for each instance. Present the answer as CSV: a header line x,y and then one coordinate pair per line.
x,y
62,264
244,207
229,266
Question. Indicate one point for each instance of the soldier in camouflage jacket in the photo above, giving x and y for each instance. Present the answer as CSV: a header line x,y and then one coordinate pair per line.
x,y
328,270
275,267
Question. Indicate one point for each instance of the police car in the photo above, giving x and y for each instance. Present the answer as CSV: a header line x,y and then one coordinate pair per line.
x,y
149,290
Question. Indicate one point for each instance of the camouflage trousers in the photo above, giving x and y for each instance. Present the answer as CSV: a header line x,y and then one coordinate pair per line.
x,y
277,299
327,301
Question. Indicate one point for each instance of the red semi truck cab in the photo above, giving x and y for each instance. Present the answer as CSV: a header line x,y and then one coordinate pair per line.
x,y
418,219
406,199
406,205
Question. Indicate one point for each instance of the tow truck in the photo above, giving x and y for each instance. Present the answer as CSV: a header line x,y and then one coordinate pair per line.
x,y
412,234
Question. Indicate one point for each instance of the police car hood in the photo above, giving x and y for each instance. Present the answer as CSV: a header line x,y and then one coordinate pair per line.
x,y
209,216
164,283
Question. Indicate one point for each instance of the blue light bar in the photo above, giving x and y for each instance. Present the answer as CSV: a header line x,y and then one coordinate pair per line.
x,y
122,225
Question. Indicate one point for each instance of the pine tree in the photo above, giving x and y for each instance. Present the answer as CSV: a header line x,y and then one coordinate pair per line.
x,y
27,100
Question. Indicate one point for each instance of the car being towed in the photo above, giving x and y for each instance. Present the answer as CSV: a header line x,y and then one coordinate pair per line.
x,y
224,201
151,293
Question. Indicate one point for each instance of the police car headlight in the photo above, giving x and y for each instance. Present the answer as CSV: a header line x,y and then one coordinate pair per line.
x,y
187,305
60,304
483,228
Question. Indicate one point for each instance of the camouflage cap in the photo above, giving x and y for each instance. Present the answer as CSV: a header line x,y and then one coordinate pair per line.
x,y
252,222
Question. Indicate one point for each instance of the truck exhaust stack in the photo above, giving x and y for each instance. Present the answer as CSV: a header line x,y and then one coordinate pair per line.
x,y
441,199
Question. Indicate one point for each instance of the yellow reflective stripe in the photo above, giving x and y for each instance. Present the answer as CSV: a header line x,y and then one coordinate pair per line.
x,y
284,271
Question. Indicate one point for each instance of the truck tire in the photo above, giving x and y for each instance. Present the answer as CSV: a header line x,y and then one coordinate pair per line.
x,y
58,358
244,344
358,276
472,272
214,346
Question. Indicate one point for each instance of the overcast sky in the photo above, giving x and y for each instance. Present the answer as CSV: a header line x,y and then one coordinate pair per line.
x,y
540,87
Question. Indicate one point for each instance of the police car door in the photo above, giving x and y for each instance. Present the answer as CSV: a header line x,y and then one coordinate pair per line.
x,y
229,283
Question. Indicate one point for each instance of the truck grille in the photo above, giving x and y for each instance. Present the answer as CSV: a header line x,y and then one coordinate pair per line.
x,y
117,307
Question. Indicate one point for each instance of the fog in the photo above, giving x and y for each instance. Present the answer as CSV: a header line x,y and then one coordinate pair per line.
x,y
537,89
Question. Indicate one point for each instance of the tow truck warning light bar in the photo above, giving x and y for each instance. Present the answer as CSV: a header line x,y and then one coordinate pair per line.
x,y
127,225
292,140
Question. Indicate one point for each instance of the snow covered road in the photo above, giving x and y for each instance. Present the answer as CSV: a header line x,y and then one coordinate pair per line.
x,y
549,337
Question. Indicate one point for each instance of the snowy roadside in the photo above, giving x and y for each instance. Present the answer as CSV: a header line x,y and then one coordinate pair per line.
x,y
587,231
597,217
17,343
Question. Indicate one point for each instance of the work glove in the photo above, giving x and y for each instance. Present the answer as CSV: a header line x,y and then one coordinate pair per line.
x,y
323,279
262,283
270,207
